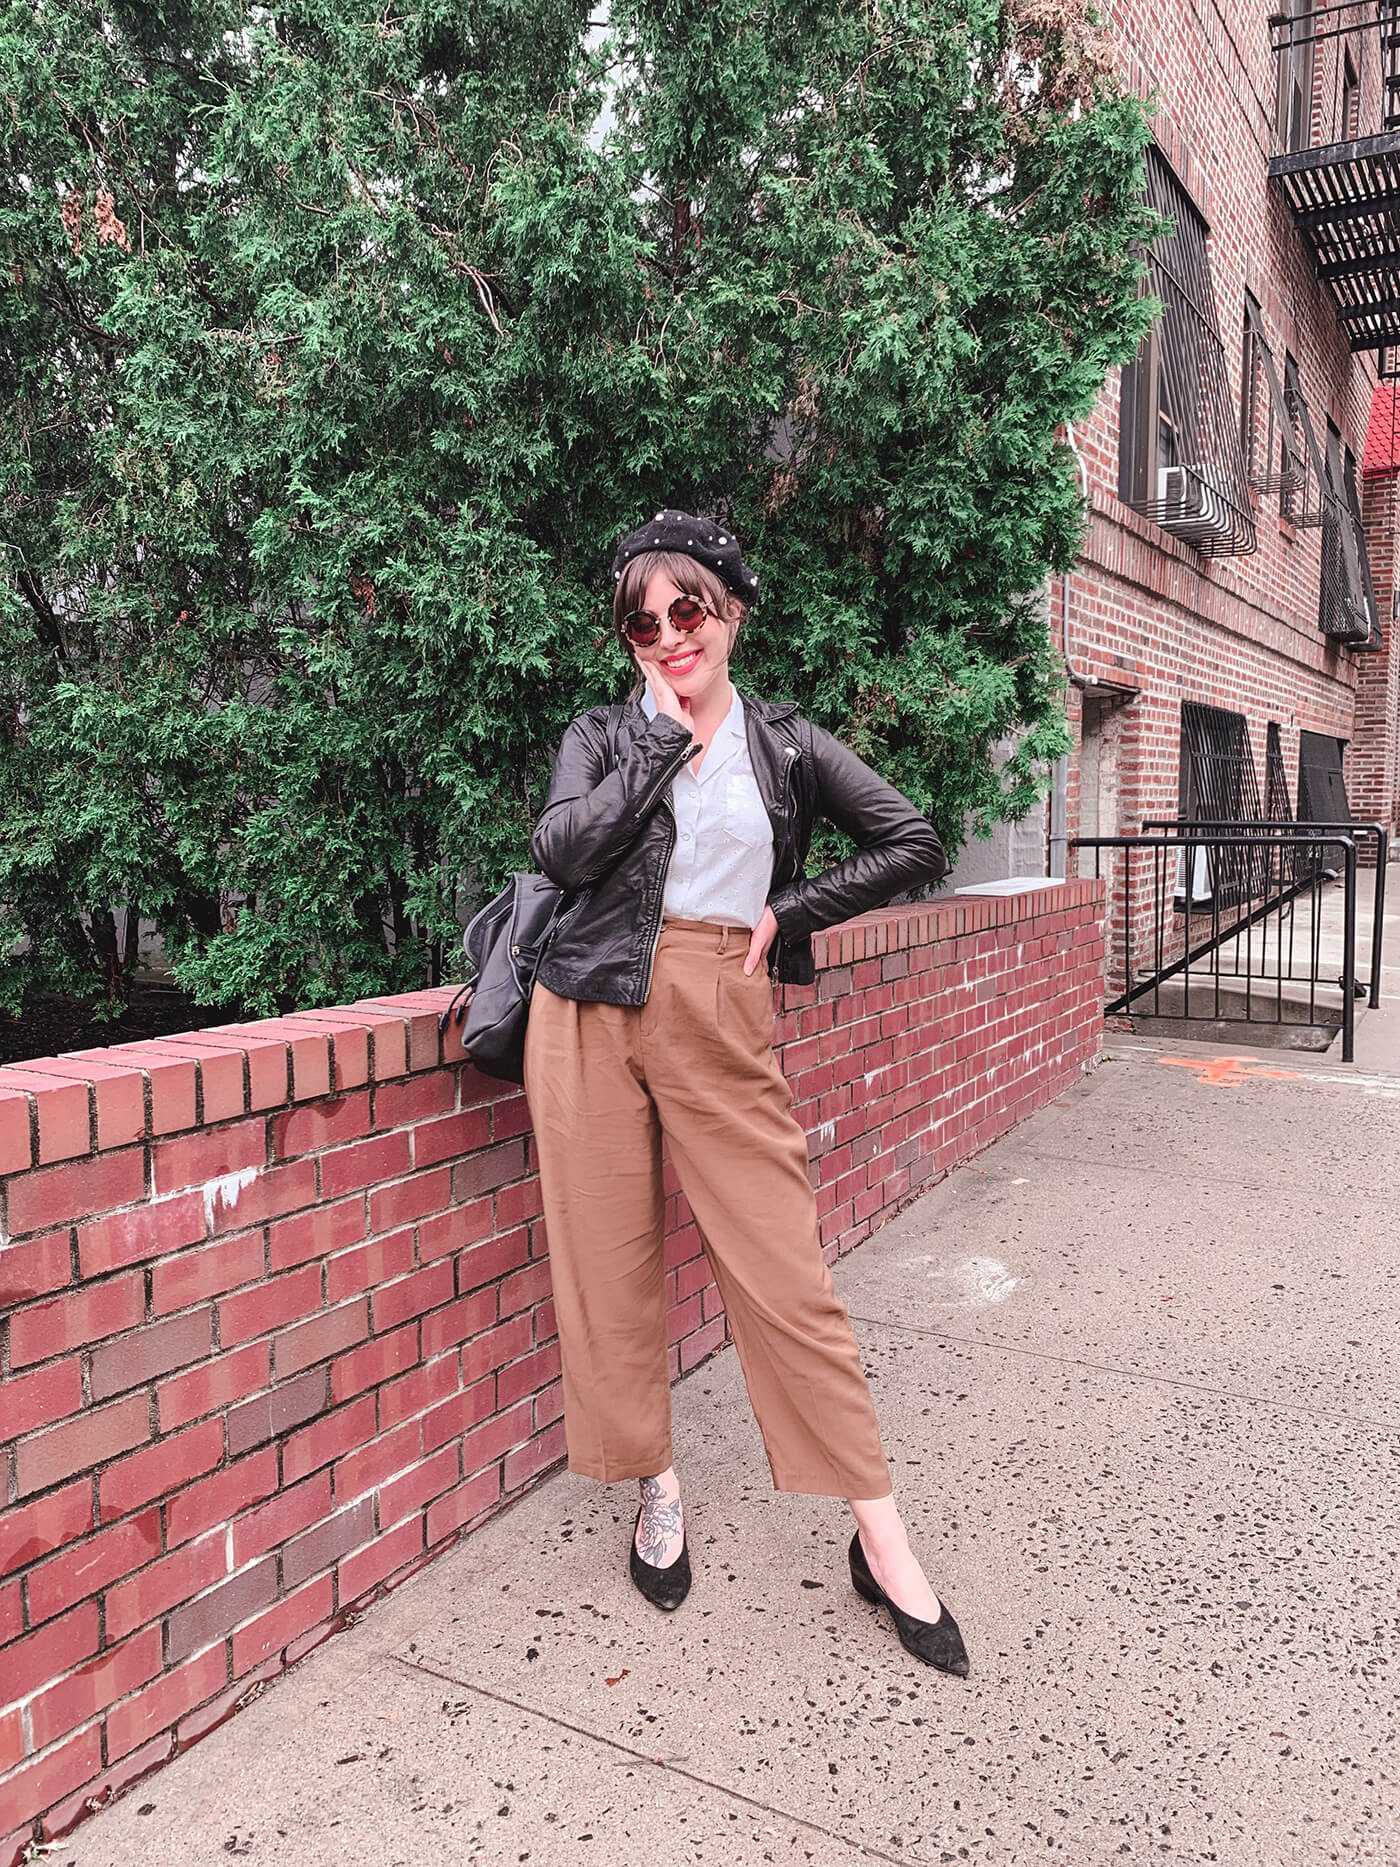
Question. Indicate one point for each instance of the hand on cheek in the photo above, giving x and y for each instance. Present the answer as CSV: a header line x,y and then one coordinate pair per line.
x,y
675,706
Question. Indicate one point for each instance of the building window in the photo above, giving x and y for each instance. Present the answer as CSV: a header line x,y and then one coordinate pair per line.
x,y
1218,784
1352,501
1218,781
1278,806
1322,791
1324,493
1346,599
1179,456
1293,120
1268,428
1292,492
1348,115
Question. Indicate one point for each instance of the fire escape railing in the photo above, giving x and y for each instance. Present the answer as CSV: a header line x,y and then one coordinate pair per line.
x,y
1337,153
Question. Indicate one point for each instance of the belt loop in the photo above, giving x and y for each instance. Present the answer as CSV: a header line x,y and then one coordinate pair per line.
x,y
724,940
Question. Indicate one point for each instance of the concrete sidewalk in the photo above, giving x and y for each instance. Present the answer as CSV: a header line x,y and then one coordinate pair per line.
x,y
1136,1371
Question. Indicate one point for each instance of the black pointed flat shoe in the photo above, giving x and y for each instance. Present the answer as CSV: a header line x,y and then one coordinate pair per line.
x,y
664,1588
937,1643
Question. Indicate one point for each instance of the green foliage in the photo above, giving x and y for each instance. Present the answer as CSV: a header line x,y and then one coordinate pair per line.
x,y
336,350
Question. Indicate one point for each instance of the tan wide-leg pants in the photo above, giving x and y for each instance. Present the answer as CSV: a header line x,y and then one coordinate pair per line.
x,y
695,1064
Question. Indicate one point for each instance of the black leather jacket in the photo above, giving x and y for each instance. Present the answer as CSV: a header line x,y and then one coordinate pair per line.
x,y
607,829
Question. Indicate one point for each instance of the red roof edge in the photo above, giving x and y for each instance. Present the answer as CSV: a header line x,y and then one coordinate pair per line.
x,y
1383,432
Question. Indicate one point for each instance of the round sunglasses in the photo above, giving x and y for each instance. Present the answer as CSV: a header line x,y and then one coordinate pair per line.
x,y
642,628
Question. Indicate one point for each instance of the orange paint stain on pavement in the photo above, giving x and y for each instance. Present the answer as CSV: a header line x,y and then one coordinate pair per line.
x,y
1226,1072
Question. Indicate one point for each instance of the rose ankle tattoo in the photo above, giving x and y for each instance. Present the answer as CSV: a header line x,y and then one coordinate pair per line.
x,y
660,1522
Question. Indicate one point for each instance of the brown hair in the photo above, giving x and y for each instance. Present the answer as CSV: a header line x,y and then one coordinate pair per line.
x,y
687,574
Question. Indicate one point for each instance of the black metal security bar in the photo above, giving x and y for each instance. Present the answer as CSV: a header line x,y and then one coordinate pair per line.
x,y
1182,464
1220,786
1290,863
1202,945
1273,455
1277,803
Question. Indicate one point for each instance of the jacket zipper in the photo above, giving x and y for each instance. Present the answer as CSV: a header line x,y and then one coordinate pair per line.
x,y
665,779
644,807
791,754
660,912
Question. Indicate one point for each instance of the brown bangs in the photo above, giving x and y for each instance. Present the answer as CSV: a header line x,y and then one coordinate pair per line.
x,y
686,574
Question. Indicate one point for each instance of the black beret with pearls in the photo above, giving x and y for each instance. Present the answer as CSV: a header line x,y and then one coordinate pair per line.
x,y
709,544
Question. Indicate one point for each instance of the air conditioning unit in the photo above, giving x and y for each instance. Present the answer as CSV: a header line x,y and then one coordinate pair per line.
x,y
1198,886
1353,625
1193,502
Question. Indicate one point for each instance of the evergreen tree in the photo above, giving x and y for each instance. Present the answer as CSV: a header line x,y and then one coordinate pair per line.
x,y
337,350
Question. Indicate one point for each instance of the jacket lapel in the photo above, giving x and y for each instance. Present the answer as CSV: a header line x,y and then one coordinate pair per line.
x,y
772,754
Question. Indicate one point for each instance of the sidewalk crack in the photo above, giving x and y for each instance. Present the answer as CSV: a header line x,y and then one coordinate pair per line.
x,y
1131,1374
865,1849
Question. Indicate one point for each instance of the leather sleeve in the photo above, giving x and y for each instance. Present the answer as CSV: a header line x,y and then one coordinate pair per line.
x,y
593,813
898,849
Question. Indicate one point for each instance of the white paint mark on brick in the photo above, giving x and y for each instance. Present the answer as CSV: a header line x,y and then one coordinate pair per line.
x,y
225,1191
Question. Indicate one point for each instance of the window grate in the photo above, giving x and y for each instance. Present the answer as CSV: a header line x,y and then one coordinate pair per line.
x,y
1180,460
1219,784
1273,458
1346,601
1278,806
1362,565
1307,503
1291,862
1322,791
1347,610
1222,785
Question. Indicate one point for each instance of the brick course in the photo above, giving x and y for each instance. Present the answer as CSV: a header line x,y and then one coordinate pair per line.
x,y
312,1339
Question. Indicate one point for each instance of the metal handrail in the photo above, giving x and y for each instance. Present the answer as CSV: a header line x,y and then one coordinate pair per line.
x,y
1288,838
1380,831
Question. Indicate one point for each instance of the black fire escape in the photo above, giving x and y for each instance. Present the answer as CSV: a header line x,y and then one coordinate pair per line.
x,y
1337,160
1337,143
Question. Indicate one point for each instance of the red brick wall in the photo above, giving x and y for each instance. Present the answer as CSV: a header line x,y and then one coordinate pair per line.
x,y
275,1319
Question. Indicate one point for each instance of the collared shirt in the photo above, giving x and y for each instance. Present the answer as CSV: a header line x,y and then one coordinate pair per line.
x,y
722,865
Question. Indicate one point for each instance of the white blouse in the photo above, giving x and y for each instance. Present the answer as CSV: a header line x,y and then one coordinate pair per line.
x,y
722,866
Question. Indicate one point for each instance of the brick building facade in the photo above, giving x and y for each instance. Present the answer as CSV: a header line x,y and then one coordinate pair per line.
x,y
1227,473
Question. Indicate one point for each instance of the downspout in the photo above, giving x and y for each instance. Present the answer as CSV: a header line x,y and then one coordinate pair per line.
x,y
1059,786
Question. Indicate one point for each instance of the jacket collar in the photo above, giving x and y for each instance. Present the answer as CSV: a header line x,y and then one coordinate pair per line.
x,y
769,711
637,711
728,736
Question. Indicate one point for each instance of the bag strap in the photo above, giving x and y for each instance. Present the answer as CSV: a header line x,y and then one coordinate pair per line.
x,y
457,1009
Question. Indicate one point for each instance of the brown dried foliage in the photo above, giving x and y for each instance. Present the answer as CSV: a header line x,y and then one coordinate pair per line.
x,y
71,214
1072,47
110,231
362,587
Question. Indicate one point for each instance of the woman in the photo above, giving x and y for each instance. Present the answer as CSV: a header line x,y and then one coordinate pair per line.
x,y
682,823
